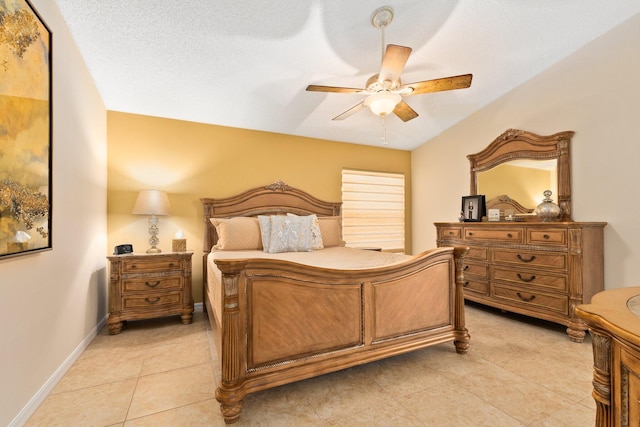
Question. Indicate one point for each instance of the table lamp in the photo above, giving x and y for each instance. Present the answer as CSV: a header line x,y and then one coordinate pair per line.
x,y
154,203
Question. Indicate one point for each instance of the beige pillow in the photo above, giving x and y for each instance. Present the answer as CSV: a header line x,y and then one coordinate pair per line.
x,y
331,231
237,233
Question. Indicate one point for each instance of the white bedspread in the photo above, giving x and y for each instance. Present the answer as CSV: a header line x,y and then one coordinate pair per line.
x,y
336,257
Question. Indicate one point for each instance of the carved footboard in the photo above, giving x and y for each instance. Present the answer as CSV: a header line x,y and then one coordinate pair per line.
x,y
283,322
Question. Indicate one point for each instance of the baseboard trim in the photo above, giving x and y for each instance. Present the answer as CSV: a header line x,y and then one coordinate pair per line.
x,y
48,386
54,379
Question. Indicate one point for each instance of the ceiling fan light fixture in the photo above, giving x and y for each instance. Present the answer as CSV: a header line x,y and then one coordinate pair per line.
x,y
383,102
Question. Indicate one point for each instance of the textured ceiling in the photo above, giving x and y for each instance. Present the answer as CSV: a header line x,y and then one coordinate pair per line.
x,y
246,64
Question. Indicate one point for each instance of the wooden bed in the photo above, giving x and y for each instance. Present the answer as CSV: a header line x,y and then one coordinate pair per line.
x,y
281,321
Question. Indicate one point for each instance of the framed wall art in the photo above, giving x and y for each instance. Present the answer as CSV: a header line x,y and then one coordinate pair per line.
x,y
25,130
473,208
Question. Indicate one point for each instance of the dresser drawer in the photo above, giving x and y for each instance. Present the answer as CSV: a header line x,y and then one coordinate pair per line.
x,y
539,301
151,300
556,282
541,236
150,264
477,253
477,270
475,286
451,232
511,235
554,260
151,283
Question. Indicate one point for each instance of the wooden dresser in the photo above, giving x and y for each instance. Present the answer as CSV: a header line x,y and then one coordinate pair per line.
x,y
144,286
613,318
539,269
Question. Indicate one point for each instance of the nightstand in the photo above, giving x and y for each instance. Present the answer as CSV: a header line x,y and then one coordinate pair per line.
x,y
145,286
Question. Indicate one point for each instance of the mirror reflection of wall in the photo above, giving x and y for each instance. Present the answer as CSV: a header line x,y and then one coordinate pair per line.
x,y
522,180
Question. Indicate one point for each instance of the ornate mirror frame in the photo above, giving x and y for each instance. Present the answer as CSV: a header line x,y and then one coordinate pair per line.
x,y
519,144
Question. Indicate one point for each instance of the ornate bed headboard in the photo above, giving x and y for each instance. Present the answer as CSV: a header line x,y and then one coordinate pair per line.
x,y
276,198
505,202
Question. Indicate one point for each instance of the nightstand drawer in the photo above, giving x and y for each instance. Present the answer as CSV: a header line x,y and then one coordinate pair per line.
x,y
151,283
151,300
150,264
547,237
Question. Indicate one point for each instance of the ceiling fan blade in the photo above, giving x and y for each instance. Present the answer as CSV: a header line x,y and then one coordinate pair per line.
x,y
395,58
316,88
405,112
350,111
437,85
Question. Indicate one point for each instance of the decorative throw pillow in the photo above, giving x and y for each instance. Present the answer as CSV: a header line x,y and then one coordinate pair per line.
x,y
265,230
285,232
237,233
310,237
331,231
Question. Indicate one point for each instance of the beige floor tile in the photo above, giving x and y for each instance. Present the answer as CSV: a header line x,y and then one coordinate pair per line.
x,y
392,413
454,407
96,369
175,356
200,414
98,406
171,389
160,372
516,396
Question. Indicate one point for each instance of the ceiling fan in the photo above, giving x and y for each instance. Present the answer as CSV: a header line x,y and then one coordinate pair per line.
x,y
385,90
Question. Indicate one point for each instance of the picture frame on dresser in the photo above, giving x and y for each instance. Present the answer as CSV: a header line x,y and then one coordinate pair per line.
x,y
25,143
473,208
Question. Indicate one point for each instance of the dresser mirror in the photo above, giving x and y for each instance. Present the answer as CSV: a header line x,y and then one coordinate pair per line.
x,y
516,168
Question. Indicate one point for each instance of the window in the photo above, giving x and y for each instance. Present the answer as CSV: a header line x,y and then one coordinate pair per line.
x,y
373,209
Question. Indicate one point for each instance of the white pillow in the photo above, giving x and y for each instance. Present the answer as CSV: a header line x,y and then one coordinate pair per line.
x,y
310,233
290,233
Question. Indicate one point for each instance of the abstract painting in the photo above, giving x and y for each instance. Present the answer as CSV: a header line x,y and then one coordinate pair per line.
x,y
25,130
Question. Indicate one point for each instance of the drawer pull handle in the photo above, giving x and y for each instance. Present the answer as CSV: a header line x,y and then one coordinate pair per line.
x,y
530,279
466,267
465,284
170,264
152,286
531,298
509,235
526,260
470,233
152,301
545,236
451,233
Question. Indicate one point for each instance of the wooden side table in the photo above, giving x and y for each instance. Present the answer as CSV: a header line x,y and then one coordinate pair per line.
x,y
145,286
613,318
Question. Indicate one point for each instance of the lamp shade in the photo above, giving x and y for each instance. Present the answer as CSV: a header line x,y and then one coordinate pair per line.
x,y
383,102
152,202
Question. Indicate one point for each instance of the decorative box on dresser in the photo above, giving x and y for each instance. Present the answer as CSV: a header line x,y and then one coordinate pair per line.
x,y
539,269
144,286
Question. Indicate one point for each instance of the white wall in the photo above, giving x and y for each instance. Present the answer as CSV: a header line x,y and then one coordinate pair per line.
x,y
51,301
594,92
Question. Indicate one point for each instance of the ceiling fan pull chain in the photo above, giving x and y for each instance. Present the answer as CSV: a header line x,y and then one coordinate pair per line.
x,y
384,130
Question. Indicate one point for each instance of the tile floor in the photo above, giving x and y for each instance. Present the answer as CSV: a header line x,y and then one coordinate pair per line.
x,y
518,372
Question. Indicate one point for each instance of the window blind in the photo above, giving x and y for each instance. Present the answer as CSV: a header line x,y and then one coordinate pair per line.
x,y
373,209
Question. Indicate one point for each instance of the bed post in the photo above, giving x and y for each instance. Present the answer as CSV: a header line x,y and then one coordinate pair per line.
x,y
462,334
229,392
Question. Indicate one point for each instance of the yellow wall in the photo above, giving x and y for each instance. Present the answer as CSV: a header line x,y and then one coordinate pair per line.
x,y
192,160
